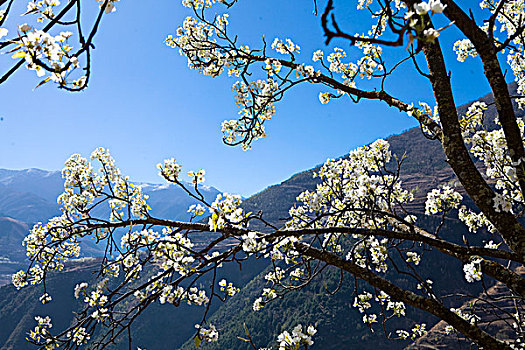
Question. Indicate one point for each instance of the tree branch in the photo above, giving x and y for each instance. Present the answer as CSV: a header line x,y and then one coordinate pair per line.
x,y
459,158
432,306
487,51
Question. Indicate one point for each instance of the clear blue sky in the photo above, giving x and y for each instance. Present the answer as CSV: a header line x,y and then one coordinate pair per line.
x,y
144,104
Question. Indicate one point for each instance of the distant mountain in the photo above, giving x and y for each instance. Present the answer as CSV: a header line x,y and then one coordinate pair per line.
x,y
30,195
45,184
12,253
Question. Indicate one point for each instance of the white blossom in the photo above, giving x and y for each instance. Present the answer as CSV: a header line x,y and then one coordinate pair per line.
x,y
297,338
209,334
472,270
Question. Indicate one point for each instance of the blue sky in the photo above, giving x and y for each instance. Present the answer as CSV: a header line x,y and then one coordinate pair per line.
x,y
144,104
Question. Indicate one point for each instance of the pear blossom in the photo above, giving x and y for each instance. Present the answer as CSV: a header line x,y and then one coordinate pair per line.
x,y
472,270
422,8
436,6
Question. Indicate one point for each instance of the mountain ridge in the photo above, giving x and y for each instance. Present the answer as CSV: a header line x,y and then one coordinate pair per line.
x,y
30,195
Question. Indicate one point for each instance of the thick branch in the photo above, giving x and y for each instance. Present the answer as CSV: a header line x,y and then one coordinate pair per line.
x,y
426,304
512,280
152,221
487,51
419,236
491,268
459,158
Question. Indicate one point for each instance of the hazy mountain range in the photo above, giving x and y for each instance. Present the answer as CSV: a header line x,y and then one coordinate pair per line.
x,y
29,196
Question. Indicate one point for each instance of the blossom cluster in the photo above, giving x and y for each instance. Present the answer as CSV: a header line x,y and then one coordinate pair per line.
x,y
41,332
45,8
417,331
48,51
354,182
471,122
197,40
417,21
44,52
363,302
225,210
209,49
434,6
491,148
169,249
208,334
350,193
441,200
297,338
54,243
228,288
464,49
169,169
472,270
287,47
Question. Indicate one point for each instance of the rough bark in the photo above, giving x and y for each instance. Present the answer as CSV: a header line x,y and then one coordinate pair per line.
x,y
513,232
